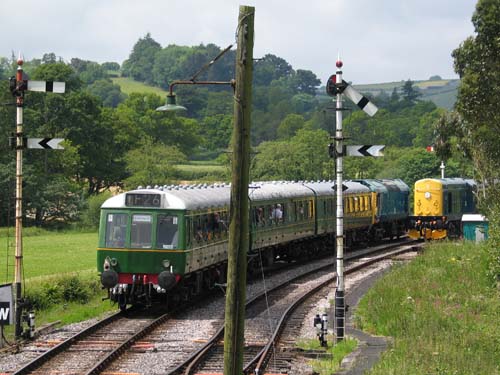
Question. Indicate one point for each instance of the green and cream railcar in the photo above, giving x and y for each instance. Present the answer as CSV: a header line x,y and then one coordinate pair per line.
x,y
175,239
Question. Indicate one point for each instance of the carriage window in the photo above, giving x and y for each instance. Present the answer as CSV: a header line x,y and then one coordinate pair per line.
x,y
217,225
276,214
356,204
301,211
116,230
200,228
141,231
167,232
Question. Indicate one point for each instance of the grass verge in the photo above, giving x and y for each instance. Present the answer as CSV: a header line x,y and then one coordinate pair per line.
x,y
329,361
441,310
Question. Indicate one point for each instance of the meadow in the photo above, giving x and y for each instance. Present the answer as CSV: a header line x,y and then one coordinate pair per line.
x,y
48,253
442,311
128,86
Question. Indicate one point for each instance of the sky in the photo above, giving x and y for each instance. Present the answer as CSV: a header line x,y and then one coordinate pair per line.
x,y
378,40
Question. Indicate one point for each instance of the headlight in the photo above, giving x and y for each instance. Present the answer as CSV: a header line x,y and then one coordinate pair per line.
x,y
166,263
427,195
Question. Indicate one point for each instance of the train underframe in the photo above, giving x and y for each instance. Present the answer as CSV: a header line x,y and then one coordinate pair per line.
x,y
433,227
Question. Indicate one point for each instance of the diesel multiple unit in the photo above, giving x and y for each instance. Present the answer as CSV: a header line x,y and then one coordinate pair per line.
x,y
171,242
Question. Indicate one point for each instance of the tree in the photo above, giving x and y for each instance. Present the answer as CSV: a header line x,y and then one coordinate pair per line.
x,y
270,68
152,164
217,130
476,61
305,82
5,69
109,92
290,125
89,71
409,92
140,63
58,71
49,58
435,78
114,66
299,158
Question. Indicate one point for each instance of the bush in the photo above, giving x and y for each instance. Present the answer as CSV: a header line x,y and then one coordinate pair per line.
x,y
61,289
91,214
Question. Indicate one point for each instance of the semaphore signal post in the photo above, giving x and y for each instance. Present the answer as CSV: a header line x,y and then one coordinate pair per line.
x,y
336,86
18,86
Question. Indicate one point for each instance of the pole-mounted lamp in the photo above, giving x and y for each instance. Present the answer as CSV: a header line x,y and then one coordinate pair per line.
x,y
171,103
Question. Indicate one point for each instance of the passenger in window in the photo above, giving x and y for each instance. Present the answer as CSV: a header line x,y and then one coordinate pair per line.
x,y
199,234
277,214
260,219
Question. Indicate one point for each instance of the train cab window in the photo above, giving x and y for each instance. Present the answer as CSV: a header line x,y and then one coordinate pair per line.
x,y
167,232
141,230
116,230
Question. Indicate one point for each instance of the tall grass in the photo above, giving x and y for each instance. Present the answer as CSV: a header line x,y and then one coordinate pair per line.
x,y
329,363
441,310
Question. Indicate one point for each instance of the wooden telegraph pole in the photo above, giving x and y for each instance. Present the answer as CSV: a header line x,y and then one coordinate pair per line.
x,y
239,225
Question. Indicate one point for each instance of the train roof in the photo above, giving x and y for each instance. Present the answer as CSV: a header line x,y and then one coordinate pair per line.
x,y
328,188
198,197
449,182
176,198
384,185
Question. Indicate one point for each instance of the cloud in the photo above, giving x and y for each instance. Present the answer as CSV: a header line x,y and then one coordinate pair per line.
x,y
379,41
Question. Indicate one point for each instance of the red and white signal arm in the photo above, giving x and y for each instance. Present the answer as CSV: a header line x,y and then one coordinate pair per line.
x,y
6,305
430,148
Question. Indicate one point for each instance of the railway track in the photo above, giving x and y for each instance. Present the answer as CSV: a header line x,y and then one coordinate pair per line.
x,y
89,351
99,348
275,306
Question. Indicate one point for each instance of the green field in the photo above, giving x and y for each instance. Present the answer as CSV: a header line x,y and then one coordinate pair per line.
x,y
49,253
128,86
200,167
442,312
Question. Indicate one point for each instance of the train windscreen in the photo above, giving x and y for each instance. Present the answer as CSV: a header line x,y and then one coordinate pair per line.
x,y
167,232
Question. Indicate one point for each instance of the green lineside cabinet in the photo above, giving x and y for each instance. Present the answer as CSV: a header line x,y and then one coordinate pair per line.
x,y
475,227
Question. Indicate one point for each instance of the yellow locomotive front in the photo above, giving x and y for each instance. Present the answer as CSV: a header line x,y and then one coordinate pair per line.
x,y
429,221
